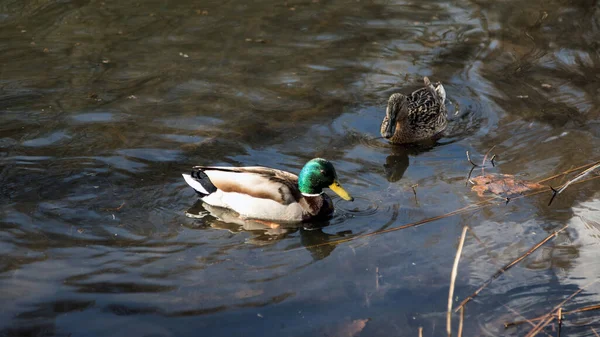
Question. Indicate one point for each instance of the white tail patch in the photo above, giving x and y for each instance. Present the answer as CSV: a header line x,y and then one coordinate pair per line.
x,y
194,184
441,92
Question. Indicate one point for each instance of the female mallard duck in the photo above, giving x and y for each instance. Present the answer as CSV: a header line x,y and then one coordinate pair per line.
x,y
264,193
418,116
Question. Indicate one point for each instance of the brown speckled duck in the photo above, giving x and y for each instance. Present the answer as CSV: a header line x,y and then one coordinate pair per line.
x,y
416,117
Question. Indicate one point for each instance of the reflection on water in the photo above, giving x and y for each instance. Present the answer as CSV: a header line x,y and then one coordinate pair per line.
x,y
104,104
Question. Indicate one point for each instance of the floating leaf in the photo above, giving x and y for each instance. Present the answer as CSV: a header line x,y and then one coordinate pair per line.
x,y
504,185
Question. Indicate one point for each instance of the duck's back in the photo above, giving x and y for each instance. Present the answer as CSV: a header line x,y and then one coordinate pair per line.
x,y
426,113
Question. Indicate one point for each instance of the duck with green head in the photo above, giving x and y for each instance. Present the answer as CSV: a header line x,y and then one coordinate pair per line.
x,y
256,192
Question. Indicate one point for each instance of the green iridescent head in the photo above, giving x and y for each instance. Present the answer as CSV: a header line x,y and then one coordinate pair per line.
x,y
318,174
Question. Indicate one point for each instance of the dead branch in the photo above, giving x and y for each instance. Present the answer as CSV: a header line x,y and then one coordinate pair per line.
x,y
508,266
564,315
559,314
453,279
556,192
470,161
546,319
460,323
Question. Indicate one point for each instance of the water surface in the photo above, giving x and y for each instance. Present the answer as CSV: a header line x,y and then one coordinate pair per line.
x,y
105,104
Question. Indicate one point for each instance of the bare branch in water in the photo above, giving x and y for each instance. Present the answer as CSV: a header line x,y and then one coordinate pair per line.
x,y
470,161
508,266
556,192
414,189
453,279
482,164
545,320
461,322
564,314
559,321
484,158
469,176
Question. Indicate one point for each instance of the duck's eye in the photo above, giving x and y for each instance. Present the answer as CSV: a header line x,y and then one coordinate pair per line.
x,y
323,172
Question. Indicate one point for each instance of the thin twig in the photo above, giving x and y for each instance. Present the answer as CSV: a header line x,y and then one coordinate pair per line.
x,y
460,323
453,279
550,316
469,176
116,209
564,314
484,158
470,161
559,321
414,189
556,192
594,331
420,331
508,266
582,309
562,174
519,314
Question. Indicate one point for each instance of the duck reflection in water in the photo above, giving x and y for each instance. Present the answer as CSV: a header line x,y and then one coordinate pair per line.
x,y
398,160
264,233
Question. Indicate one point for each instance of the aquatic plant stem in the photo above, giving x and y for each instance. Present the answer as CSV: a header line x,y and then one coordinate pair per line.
x,y
559,321
556,192
453,279
546,319
521,315
564,314
508,266
461,321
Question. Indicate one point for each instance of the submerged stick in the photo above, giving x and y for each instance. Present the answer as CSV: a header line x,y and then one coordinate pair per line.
x,y
519,314
567,172
564,314
485,157
559,321
460,323
550,316
414,189
420,331
453,279
470,161
556,192
508,266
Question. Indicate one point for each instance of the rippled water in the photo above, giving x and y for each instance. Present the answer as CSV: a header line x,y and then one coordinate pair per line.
x,y
105,103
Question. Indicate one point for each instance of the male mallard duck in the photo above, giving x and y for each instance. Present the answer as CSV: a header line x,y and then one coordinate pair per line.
x,y
256,192
418,116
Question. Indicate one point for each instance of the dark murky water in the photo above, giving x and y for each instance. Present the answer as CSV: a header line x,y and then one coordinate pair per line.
x,y
105,103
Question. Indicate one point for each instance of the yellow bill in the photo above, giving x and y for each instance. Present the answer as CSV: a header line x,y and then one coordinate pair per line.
x,y
339,190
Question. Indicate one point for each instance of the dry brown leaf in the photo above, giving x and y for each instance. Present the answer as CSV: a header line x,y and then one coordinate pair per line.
x,y
504,185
